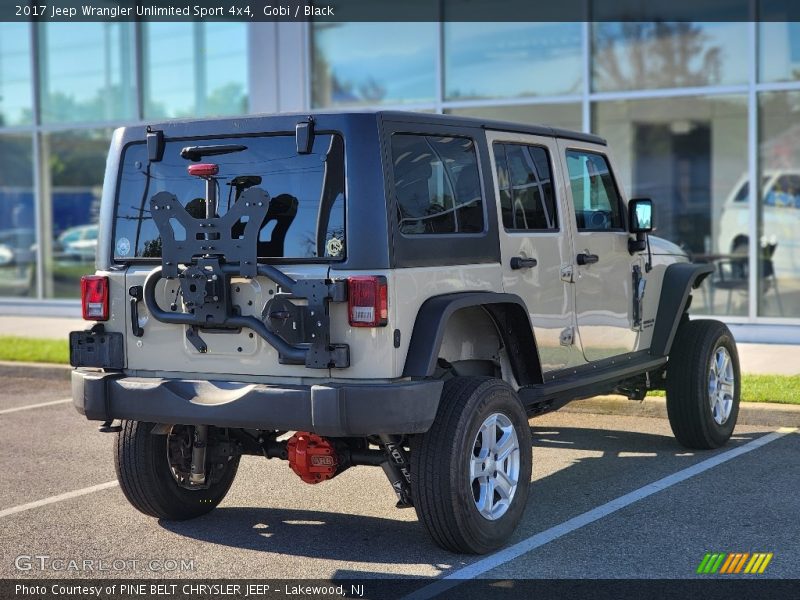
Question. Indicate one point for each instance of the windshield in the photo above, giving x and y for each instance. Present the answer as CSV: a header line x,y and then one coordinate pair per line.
x,y
306,217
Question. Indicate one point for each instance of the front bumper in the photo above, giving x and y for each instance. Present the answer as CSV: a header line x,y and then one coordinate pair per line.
x,y
330,409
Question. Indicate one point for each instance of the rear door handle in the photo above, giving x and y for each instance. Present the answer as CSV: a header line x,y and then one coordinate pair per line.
x,y
520,262
587,259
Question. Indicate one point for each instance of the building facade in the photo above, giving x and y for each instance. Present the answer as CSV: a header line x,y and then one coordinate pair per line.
x,y
702,117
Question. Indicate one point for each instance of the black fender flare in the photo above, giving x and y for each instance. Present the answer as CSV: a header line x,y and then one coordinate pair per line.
x,y
508,312
679,281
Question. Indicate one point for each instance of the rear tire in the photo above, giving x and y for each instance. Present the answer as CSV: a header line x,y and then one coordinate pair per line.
x,y
146,479
465,499
703,384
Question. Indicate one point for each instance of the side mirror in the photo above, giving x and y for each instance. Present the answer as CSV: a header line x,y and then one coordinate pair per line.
x,y
640,222
640,215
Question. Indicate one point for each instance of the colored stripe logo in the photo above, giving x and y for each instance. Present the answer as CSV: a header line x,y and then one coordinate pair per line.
x,y
731,563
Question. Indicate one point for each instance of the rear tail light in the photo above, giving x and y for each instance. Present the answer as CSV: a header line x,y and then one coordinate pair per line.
x,y
367,301
94,297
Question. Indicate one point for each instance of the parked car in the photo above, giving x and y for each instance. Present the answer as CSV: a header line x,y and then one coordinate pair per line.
x,y
389,289
780,220
78,243
17,246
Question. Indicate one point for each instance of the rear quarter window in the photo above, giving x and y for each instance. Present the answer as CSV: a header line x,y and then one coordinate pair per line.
x,y
437,184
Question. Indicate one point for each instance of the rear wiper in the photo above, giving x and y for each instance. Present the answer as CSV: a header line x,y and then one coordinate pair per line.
x,y
195,153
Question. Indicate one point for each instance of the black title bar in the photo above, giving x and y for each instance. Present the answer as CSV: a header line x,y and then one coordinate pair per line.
x,y
330,11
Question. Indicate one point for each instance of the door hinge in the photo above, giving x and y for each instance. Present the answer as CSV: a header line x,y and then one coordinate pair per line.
x,y
566,273
567,337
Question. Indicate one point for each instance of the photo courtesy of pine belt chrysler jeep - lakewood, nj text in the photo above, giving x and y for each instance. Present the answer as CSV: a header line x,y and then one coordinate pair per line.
x,y
390,289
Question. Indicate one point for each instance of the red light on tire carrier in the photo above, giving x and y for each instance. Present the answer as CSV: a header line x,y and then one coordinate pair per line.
x,y
94,297
203,170
367,301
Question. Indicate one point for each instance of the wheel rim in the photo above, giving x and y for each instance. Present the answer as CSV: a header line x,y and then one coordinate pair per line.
x,y
721,386
494,466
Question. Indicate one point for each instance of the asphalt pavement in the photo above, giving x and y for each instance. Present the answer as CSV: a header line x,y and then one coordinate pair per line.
x,y
593,511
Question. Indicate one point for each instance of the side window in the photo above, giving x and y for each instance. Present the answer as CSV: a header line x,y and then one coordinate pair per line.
x,y
597,204
527,197
784,192
437,184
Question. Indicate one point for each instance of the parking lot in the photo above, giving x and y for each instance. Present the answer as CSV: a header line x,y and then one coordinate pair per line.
x,y
592,512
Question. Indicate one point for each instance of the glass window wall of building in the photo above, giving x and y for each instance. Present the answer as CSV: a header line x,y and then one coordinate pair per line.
x,y
689,109
194,69
373,63
63,87
689,155
506,60
637,56
779,204
17,217
86,72
15,75
73,182
688,147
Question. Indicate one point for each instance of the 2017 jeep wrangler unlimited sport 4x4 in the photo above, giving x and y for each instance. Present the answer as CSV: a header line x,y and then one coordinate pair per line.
x,y
389,289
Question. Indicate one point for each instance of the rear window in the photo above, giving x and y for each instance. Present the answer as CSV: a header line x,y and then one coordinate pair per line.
x,y
306,216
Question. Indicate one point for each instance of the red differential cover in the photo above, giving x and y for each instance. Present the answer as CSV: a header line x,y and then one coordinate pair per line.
x,y
312,457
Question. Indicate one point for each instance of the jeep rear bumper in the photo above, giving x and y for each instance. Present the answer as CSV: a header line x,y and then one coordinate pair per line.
x,y
330,409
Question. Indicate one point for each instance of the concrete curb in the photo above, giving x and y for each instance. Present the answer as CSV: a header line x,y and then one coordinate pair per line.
x,y
750,413
35,370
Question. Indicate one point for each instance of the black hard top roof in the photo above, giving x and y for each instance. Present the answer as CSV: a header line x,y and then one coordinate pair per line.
x,y
252,122
495,125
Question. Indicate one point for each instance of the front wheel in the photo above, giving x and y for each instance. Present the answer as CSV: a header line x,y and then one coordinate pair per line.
x,y
153,472
703,384
471,471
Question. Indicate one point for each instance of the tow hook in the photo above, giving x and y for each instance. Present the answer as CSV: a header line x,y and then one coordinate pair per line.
x,y
198,471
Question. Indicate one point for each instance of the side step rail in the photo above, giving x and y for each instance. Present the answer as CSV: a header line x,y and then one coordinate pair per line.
x,y
586,381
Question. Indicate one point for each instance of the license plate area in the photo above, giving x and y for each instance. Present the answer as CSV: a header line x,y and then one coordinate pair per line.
x,y
96,348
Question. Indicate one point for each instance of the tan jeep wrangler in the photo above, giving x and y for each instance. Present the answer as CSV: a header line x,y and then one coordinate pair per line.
x,y
390,289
